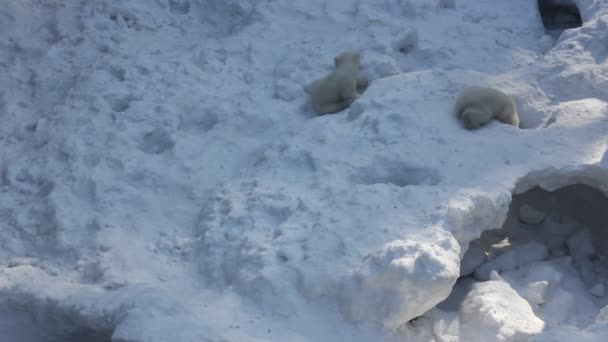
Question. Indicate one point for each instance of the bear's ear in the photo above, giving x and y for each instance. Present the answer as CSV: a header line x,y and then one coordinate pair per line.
x,y
337,60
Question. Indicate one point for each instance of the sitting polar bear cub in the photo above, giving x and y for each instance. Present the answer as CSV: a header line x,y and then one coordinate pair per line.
x,y
339,89
476,106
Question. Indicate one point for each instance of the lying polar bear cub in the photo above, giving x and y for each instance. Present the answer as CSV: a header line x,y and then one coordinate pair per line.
x,y
339,89
476,106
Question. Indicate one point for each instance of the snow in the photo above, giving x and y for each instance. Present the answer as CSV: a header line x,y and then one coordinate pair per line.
x,y
536,292
493,311
164,179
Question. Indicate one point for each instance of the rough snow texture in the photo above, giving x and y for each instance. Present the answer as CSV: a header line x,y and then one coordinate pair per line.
x,y
557,269
163,181
493,311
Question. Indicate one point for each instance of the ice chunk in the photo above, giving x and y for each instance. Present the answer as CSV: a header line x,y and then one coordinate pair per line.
x,y
495,276
402,281
493,311
560,306
602,317
537,292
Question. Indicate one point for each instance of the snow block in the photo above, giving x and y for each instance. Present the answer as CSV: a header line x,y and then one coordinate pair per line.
x,y
493,311
399,283
537,292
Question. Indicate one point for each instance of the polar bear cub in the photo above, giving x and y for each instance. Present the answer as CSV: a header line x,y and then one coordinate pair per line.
x,y
476,106
339,89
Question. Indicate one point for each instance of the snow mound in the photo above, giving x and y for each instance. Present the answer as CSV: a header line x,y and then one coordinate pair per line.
x,y
554,266
162,179
396,285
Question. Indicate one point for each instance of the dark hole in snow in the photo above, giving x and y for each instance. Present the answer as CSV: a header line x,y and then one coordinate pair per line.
x,y
551,250
559,15
27,325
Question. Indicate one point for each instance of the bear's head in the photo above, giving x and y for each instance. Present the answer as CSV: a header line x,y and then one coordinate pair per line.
x,y
471,119
347,58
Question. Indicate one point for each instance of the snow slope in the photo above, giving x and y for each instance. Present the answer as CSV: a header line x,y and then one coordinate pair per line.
x,y
163,178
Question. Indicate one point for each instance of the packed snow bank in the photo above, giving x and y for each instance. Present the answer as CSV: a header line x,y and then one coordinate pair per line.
x,y
550,253
162,170
55,312
401,277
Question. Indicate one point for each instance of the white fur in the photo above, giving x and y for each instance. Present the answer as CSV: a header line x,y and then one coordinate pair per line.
x,y
476,106
338,90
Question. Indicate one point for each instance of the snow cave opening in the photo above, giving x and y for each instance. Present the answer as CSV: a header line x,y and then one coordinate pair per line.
x,y
551,250
559,15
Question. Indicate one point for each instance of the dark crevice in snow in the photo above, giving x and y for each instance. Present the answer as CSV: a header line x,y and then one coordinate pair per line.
x,y
551,250
559,15
30,322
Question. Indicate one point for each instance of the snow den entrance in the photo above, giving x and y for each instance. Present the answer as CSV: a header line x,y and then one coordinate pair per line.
x,y
548,263
559,15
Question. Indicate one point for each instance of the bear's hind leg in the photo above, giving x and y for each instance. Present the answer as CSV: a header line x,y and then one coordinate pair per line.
x,y
510,117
